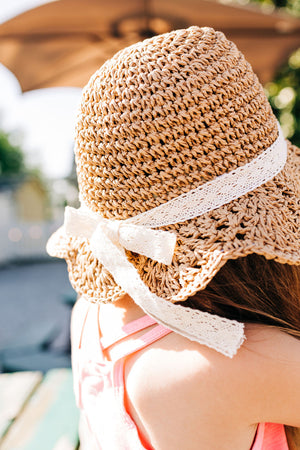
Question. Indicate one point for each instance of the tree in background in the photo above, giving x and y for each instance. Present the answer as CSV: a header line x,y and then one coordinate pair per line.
x,y
284,91
291,6
11,156
284,96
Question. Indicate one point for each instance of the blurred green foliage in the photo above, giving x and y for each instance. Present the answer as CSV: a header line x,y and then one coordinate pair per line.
x,y
291,6
11,156
284,95
284,91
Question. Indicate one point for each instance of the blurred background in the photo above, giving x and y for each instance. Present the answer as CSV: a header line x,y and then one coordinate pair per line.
x,y
48,50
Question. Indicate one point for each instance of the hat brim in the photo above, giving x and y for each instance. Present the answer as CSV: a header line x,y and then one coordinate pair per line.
x,y
265,221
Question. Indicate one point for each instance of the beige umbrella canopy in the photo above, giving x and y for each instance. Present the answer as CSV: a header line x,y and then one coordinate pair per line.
x,y
62,43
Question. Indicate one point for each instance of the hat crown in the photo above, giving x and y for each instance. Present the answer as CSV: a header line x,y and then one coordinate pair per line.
x,y
163,117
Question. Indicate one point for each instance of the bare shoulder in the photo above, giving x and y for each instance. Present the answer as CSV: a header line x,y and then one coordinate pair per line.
x,y
261,383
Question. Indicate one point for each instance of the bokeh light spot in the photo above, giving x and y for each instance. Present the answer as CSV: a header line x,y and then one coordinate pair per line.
x,y
15,234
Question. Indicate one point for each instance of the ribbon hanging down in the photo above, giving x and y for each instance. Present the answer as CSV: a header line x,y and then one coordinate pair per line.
x,y
108,239
221,334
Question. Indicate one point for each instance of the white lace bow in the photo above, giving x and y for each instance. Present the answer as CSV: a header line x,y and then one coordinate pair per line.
x,y
108,238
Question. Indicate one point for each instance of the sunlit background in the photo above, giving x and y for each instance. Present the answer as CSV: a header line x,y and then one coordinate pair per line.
x,y
46,57
36,181
37,117
38,104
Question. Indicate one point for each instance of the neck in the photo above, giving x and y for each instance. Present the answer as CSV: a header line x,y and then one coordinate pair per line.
x,y
120,312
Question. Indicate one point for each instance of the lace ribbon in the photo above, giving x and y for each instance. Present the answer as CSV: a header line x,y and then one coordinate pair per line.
x,y
155,244
219,191
108,238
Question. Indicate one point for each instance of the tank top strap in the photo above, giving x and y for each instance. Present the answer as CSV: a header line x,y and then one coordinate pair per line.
x,y
270,436
129,347
127,330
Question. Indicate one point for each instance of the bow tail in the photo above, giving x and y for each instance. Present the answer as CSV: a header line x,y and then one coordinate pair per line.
x,y
219,333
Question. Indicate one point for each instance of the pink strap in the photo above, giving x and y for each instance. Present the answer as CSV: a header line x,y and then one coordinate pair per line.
x,y
128,348
270,436
128,330
83,325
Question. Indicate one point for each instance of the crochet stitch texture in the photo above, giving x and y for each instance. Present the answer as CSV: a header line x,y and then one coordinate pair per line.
x,y
160,118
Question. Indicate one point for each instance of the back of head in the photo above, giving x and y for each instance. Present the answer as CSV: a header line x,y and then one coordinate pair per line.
x,y
161,120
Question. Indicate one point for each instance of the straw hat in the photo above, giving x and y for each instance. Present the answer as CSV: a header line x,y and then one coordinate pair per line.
x,y
158,120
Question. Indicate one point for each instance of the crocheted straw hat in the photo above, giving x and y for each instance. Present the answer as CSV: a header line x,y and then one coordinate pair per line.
x,y
159,119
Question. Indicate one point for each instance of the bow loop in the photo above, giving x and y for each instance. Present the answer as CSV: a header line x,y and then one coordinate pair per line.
x,y
112,229
107,240
158,245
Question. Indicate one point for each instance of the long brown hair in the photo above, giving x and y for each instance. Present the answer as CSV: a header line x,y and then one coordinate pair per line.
x,y
256,290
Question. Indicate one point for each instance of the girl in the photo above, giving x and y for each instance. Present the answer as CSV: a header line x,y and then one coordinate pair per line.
x,y
190,215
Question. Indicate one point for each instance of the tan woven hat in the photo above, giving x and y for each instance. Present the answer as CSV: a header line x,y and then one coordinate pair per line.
x,y
165,117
